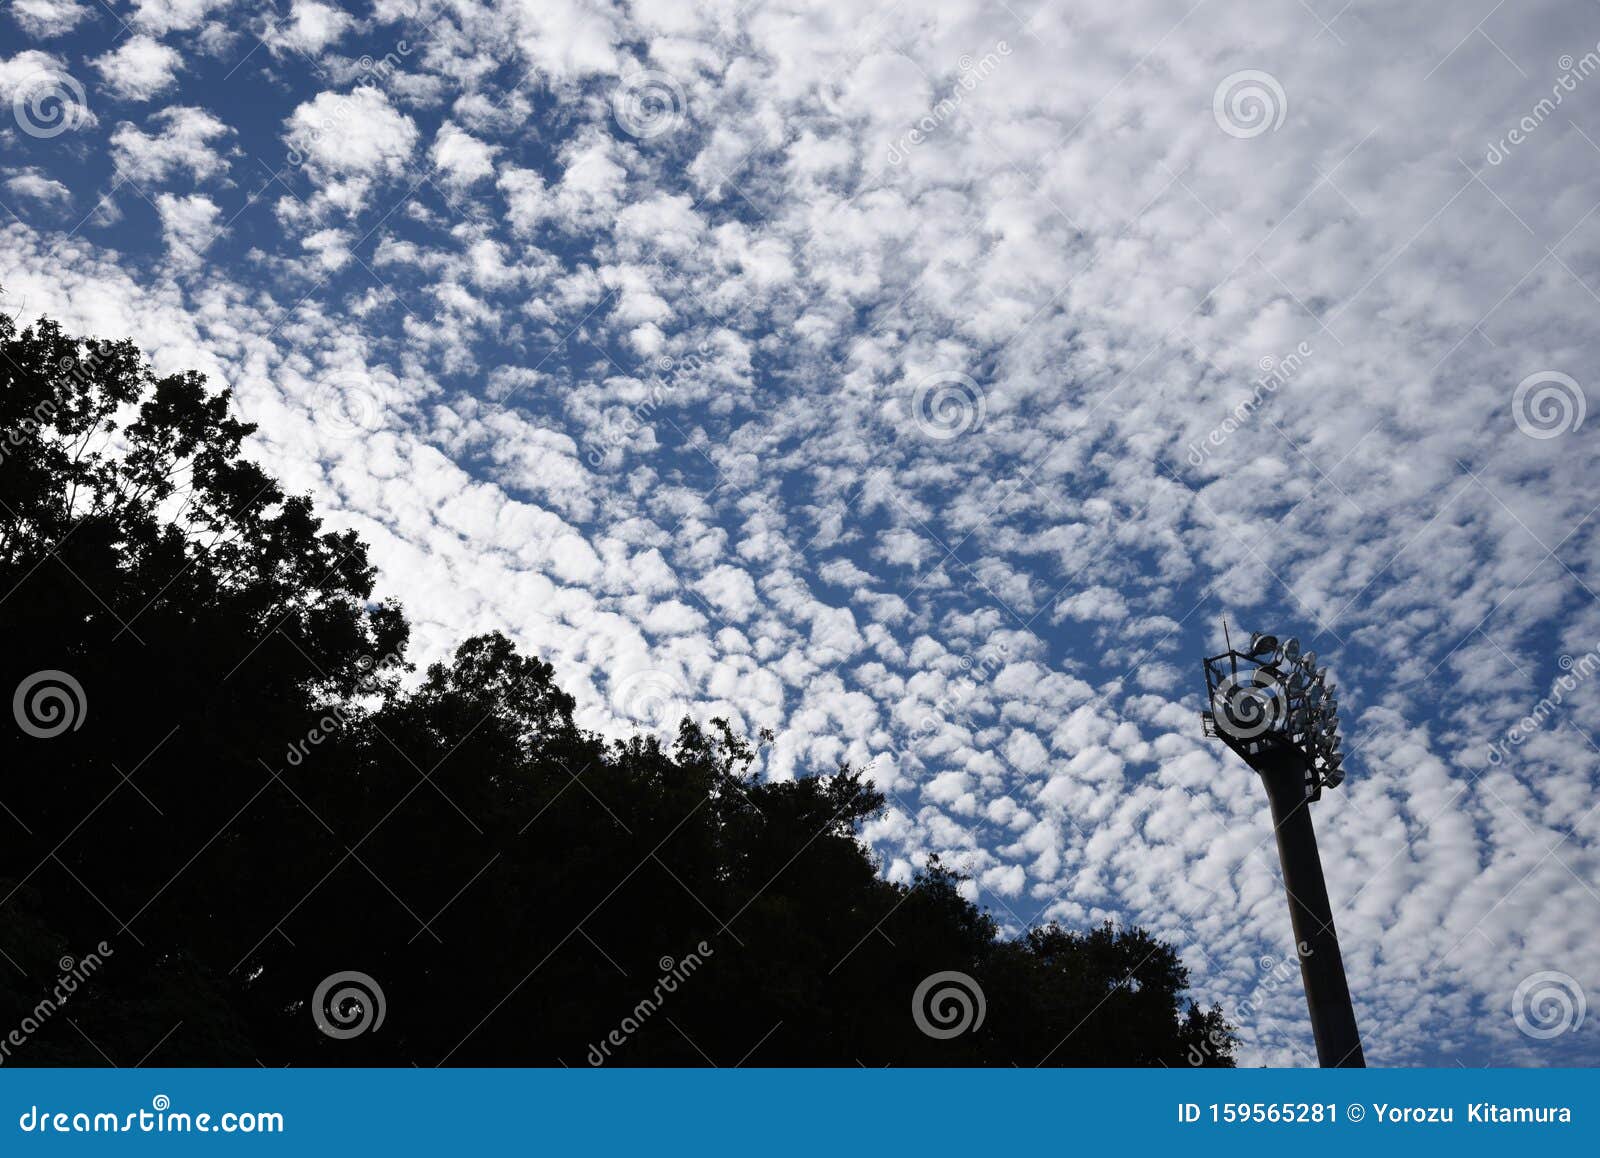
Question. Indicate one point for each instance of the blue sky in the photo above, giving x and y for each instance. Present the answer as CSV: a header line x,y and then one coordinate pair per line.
x,y
925,383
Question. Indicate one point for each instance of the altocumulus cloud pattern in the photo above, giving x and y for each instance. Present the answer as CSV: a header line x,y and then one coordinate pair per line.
x,y
923,383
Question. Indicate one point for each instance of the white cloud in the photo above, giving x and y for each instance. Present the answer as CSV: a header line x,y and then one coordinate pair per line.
x,y
312,26
331,246
22,67
139,68
163,16
462,158
189,224
348,143
673,617
45,19
565,38
527,201
34,185
731,591
183,142
45,98
357,134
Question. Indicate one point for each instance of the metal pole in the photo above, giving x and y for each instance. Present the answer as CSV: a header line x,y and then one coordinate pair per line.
x,y
1333,1018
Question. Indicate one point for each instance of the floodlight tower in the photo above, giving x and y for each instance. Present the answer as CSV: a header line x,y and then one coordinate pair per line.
x,y
1273,706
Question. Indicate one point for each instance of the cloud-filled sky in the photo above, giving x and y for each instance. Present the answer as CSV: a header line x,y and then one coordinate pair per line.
x,y
925,382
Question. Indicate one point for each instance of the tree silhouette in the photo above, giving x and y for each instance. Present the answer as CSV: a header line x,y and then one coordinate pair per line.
x,y
221,769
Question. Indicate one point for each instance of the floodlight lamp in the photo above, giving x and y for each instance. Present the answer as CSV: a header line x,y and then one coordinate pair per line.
x,y
1275,709
1262,645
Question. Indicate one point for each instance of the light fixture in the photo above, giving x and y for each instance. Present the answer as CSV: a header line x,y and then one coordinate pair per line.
x,y
1283,721
1263,710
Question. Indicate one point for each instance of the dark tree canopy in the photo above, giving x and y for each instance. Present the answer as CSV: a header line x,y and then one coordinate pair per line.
x,y
252,795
